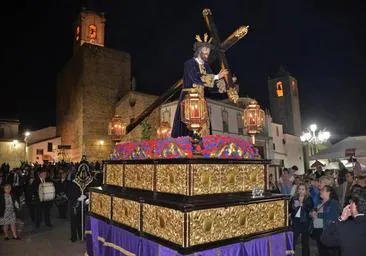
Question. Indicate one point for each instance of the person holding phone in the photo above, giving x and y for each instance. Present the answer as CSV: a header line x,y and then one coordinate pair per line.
x,y
300,207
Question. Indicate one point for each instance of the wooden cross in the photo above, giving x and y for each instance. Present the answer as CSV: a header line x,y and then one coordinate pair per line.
x,y
222,47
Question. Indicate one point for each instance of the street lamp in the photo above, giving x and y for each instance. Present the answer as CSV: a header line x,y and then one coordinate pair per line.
x,y
26,135
313,137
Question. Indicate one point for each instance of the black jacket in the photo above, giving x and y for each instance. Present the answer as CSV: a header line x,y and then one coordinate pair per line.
x,y
349,235
306,208
2,203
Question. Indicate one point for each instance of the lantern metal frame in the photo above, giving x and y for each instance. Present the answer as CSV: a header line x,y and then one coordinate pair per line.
x,y
164,130
254,119
194,112
117,128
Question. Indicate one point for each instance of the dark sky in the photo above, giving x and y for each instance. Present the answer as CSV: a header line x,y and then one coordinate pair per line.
x,y
322,44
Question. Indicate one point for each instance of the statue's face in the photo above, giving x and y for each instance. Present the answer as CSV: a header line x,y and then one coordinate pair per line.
x,y
205,52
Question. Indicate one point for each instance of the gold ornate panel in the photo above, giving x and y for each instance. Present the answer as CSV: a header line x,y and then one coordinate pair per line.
x,y
126,212
139,176
231,178
215,224
172,178
114,175
253,175
101,204
164,223
206,178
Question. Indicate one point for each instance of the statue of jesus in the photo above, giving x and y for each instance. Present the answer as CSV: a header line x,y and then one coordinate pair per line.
x,y
197,74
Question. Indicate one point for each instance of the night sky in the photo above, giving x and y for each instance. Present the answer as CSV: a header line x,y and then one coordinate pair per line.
x,y
322,44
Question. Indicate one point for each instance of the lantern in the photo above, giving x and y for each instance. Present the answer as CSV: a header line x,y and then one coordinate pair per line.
x,y
194,110
164,130
117,128
253,117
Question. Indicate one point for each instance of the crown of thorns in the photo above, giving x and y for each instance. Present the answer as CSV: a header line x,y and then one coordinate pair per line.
x,y
203,43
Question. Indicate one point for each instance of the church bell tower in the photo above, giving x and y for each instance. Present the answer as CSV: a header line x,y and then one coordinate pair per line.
x,y
284,101
89,28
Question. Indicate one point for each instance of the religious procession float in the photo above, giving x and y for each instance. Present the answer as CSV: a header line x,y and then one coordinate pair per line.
x,y
190,194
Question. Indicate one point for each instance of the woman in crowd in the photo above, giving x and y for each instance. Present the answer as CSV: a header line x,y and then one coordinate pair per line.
x,y
301,205
8,206
325,213
286,181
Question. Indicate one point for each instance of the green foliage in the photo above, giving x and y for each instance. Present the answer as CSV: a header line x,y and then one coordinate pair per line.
x,y
147,130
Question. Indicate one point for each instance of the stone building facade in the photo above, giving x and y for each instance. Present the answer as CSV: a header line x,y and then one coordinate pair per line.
x,y
131,106
88,88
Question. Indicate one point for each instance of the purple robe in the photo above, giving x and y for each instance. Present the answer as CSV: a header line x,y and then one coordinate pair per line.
x,y
192,75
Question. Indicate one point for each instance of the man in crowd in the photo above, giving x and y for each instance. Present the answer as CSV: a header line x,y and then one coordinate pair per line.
x,y
42,207
349,233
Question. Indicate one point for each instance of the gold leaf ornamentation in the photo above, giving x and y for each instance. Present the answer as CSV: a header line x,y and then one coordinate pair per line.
x,y
101,204
114,174
172,178
139,176
164,223
126,212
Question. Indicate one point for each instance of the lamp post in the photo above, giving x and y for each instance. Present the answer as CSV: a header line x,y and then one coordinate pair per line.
x,y
26,135
313,137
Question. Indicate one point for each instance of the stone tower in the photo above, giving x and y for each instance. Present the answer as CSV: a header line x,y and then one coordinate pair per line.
x,y
88,88
284,101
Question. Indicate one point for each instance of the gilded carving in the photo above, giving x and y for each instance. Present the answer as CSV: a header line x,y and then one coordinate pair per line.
x,y
172,178
139,176
253,175
164,223
114,174
126,212
101,204
215,224
241,31
231,178
206,178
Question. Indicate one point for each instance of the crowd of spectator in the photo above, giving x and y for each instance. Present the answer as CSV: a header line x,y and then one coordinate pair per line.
x,y
315,208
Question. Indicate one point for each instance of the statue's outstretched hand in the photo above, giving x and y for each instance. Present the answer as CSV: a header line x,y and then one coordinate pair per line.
x,y
223,72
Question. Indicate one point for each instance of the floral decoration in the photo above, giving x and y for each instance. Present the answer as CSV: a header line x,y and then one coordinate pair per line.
x,y
213,146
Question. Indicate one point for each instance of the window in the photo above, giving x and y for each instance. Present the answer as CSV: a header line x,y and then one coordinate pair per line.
x,y
166,116
274,146
294,88
239,119
92,32
2,133
39,151
77,33
279,90
225,121
277,131
49,147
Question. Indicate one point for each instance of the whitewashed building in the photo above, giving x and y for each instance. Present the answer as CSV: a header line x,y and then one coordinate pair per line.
x,y
284,150
42,145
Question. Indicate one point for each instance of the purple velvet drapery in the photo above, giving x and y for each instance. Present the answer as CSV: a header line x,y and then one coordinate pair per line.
x,y
103,239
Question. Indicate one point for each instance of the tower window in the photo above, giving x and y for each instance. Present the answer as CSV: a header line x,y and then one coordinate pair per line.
x,y
92,32
279,90
277,131
294,87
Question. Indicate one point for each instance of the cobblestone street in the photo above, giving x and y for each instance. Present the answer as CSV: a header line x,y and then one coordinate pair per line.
x,y
47,241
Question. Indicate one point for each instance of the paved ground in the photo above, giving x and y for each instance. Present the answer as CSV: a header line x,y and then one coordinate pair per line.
x,y
53,241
